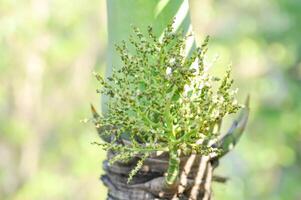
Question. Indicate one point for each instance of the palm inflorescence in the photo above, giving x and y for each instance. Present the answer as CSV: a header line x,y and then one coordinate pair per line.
x,y
162,100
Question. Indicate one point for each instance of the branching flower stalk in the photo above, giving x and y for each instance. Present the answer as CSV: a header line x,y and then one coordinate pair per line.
x,y
161,100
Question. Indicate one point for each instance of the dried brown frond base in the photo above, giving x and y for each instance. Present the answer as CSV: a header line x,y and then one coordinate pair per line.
x,y
194,183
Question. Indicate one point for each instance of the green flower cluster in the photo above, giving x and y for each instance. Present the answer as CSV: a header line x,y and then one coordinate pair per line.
x,y
162,100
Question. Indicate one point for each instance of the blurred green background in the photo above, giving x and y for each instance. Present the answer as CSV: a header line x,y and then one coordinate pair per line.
x,y
49,48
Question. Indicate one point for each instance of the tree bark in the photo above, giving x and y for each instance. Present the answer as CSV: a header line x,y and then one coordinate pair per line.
x,y
149,183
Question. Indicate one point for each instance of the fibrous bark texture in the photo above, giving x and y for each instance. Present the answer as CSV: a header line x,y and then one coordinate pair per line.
x,y
194,181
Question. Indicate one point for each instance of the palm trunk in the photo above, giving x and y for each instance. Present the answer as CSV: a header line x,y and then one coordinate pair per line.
x,y
149,183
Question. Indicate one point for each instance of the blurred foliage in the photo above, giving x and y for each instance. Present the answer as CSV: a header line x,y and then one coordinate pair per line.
x,y
48,50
